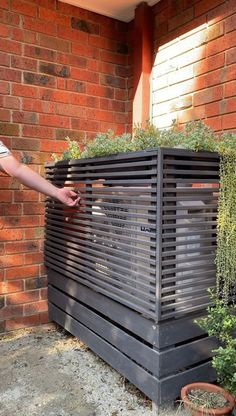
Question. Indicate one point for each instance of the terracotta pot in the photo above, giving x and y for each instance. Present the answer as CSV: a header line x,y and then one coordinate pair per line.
x,y
200,410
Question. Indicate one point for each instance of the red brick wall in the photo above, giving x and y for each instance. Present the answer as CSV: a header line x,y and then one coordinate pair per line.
x,y
63,72
194,75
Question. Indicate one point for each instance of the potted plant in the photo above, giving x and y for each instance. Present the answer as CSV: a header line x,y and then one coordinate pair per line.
x,y
208,398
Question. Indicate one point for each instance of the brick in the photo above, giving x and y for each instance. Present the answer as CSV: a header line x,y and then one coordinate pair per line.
x,y
230,89
4,4
99,90
209,64
23,63
230,23
228,106
54,16
54,120
113,57
22,272
26,144
215,31
31,308
56,70
112,81
21,247
218,45
5,196
43,318
9,129
9,234
84,75
70,110
40,53
26,196
214,122
22,322
208,95
38,106
12,260
4,87
10,75
33,209
44,293
85,50
229,121
37,79
21,90
33,258
25,8
24,117
39,26
73,60
181,18
72,134
38,131
23,35
52,146
9,18
72,35
52,95
230,73
11,287
86,125
22,297
230,56
85,26
11,311
203,6
54,43
11,102
5,115
36,283
213,109
4,31
35,233
74,85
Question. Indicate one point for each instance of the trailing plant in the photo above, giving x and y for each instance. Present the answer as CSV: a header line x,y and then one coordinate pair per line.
x,y
221,323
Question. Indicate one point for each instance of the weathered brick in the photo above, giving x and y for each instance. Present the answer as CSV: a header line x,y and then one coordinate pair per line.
x,y
38,131
84,25
208,95
56,70
230,56
84,75
204,6
37,79
21,90
54,43
4,87
9,129
5,4
54,120
36,283
230,23
11,311
24,117
40,53
112,81
229,121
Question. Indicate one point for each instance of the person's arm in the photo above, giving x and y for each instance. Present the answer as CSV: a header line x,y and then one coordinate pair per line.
x,y
33,180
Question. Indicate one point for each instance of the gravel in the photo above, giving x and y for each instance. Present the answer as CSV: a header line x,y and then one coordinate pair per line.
x,y
46,371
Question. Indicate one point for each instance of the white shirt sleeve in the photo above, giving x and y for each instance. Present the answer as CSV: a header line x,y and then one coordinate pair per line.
x,y
4,151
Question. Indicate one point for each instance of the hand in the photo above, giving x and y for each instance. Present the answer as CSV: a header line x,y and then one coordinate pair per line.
x,y
68,197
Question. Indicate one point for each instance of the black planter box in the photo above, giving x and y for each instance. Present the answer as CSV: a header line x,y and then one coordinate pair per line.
x,y
128,273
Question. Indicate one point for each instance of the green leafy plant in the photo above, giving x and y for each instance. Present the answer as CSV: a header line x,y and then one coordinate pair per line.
x,y
194,136
72,152
221,323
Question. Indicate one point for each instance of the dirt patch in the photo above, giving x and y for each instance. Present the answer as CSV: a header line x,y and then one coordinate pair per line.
x,y
46,372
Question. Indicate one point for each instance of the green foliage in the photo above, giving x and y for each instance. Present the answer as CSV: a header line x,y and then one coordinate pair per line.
x,y
72,152
221,323
194,136
226,226
106,144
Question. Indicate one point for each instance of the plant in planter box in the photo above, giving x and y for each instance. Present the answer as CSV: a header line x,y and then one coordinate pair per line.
x,y
208,398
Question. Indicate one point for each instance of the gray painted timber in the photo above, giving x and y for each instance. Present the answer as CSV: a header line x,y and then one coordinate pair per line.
x,y
129,271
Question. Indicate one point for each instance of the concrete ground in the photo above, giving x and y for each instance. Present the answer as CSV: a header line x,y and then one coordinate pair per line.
x,y
46,372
